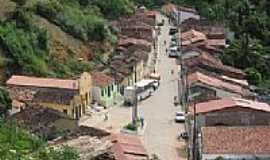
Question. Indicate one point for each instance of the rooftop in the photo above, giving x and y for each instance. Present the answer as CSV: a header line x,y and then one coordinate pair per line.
x,y
101,79
230,102
168,8
133,41
238,81
216,42
212,81
236,140
216,65
192,36
127,147
43,82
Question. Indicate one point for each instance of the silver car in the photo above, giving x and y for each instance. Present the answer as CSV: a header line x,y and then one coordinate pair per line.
x,y
180,117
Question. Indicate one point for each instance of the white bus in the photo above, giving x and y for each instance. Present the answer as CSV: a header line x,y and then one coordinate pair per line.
x,y
144,89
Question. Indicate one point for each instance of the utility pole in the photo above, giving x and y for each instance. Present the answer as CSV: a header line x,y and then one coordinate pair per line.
x,y
135,105
180,87
194,153
194,142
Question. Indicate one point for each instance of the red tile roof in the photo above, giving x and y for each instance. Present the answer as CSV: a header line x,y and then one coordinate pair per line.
x,y
43,82
198,77
101,79
236,140
128,147
213,63
168,8
133,41
152,14
216,42
192,36
241,82
230,102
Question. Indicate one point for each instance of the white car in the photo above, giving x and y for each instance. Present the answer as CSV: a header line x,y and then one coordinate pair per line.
x,y
180,117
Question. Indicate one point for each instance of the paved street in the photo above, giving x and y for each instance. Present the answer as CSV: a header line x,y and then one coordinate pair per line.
x,y
159,110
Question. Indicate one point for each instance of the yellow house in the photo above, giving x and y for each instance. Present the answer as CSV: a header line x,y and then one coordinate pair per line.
x,y
65,95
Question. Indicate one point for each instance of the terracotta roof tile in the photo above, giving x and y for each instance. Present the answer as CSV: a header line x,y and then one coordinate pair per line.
x,y
242,82
43,82
236,140
192,36
128,147
101,79
215,64
133,41
168,8
230,102
198,77
216,42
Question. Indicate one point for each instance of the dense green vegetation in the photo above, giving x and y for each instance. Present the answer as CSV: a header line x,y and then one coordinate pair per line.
x,y
115,8
82,22
5,102
18,144
250,21
28,51
27,47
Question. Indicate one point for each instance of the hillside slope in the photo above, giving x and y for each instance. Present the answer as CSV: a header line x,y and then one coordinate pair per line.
x,y
66,51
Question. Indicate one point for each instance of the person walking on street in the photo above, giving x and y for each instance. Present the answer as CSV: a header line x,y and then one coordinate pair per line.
x,y
106,117
142,122
172,71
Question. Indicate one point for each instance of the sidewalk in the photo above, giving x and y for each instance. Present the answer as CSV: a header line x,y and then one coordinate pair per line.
x,y
118,116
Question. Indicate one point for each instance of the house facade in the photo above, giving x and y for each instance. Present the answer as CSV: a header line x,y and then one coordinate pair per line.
x,y
232,111
106,91
211,87
68,96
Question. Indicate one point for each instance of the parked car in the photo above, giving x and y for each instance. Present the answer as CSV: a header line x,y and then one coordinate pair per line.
x,y
173,51
183,135
173,31
180,117
173,43
174,38
155,76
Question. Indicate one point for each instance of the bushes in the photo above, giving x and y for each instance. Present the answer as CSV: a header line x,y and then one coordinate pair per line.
x,y
25,49
5,102
131,127
253,76
18,144
115,8
74,19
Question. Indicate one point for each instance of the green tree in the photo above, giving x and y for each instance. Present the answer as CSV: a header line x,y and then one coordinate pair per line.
x,y
254,76
115,8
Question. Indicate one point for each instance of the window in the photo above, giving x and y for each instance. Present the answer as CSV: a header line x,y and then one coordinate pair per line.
x,y
109,91
102,92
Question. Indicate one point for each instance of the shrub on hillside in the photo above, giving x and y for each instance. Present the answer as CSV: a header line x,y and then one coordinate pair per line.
x,y
25,49
115,8
72,18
